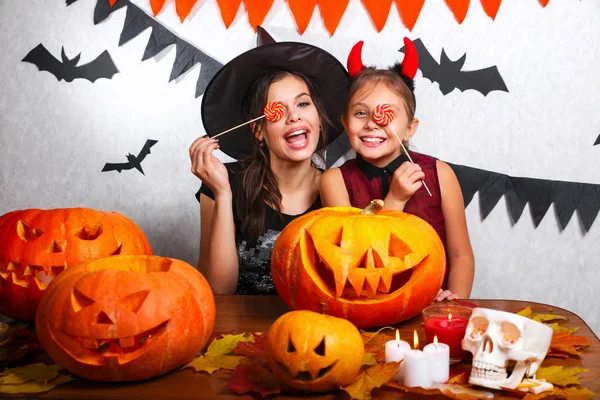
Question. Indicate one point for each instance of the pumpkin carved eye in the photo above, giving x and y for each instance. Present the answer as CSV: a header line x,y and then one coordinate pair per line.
x,y
79,301
91,232
134,301
26,232
291,348
320,349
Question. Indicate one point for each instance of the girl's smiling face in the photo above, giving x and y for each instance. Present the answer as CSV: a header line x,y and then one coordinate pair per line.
x,y
296,135
375,143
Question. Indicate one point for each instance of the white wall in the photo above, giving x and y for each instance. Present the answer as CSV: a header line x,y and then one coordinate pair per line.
x,y
56,136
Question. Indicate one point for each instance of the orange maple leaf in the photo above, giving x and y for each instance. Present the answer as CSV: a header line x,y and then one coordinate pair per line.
x,y
371,378
254,378
375,343
452,391
564,345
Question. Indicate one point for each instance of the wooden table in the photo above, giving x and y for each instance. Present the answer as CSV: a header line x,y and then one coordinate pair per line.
x,y
255,314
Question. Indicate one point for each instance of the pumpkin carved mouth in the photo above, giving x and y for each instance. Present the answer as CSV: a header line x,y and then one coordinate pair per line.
x,y
102,351
306,376
353,271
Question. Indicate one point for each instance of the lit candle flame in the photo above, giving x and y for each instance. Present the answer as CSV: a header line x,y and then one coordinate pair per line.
x,y
435,341
449,317
416,340
397,334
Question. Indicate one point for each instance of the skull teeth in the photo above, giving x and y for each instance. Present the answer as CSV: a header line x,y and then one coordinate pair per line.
x,y
488,371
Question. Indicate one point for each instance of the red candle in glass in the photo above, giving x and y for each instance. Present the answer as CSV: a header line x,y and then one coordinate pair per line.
x,y
448,323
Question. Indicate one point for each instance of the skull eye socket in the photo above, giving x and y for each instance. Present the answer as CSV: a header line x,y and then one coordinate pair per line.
x,y
291,348
479,325
510,334
320,349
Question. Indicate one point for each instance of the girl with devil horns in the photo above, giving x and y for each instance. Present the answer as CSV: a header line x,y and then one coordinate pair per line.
x,y
381,169
244,205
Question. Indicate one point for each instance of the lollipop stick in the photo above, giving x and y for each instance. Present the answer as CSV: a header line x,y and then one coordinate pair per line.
x,y
235,127
406,152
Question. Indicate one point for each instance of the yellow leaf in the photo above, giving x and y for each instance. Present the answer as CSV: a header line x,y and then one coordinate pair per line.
x,y
369,379
547,317
369,359
211,364
571,392
220,354
559,376
557,328
526,312
34,386
39,372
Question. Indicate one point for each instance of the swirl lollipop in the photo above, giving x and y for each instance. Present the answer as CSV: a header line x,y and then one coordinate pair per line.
x,y
273,111
383,115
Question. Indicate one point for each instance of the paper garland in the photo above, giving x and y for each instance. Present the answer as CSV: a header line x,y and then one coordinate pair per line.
x,y
137,21
331,10
597,141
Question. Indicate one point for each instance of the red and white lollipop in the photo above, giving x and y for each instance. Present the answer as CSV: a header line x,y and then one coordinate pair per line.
x,y
383,115
273,111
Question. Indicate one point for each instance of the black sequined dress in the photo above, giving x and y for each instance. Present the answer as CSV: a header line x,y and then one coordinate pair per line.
x,y
254,256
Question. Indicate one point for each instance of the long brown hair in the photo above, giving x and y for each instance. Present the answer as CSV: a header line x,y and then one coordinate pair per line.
x,y
258,186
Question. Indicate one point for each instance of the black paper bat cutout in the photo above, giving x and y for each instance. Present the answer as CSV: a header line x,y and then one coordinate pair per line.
x,y
67,69
132,161
448,74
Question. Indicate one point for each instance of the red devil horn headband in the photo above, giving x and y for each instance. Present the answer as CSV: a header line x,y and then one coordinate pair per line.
x,y
409,65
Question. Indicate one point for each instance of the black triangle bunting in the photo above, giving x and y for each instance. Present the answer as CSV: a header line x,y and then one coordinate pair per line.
x,y
538,193
597,140
137,21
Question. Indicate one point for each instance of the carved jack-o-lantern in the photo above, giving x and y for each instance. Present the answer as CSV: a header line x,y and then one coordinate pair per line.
x,y
125,318
311,351
373,270
36,245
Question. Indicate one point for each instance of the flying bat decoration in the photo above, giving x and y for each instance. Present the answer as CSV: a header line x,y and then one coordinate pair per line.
x,y
448,74
67,69
132,161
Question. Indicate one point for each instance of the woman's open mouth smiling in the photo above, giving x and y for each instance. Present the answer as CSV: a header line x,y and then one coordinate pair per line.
x,y
298,138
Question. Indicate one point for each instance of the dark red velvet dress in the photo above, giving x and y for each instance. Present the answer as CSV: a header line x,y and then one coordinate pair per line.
x,y
366,182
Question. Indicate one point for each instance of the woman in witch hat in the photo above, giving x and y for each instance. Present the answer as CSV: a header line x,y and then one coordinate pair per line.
x,y
244,205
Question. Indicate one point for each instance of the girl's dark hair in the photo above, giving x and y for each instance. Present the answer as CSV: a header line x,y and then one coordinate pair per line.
x,y
258,186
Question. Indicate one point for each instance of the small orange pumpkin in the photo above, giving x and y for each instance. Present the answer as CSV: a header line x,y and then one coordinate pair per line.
x,y
125,318
36,245
373,270
314,352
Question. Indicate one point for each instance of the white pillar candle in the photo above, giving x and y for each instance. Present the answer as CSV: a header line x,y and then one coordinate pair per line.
x,y
416,367
394,351
439,368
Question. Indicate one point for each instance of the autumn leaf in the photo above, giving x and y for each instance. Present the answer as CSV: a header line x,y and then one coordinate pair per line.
x,y
529,313
32,378
564,343
558,328
369,379
572,392
369,360
253,349
452,391
460,379
254,378
375,343
219,354
559,376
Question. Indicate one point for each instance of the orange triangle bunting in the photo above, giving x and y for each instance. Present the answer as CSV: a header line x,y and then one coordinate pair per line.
x,y
112,2
544,3
229,9
409,11
183,8
156,6
332,12
379,10
257,11
491,7
302,10
459,8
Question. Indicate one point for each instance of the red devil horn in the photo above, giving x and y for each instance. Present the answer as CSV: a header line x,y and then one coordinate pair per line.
x,y
410,64
355,64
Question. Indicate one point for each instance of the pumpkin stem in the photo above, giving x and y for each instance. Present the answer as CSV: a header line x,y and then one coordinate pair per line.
x,y
373,208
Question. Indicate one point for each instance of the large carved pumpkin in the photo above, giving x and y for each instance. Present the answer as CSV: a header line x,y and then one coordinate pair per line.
x,y
373,270
315,352
125,318
36,245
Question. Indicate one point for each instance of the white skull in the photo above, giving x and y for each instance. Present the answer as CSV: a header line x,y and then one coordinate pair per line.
x,y
500,341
